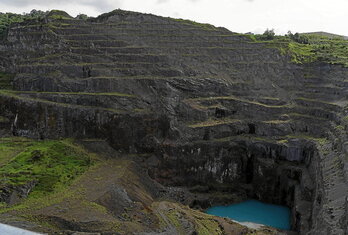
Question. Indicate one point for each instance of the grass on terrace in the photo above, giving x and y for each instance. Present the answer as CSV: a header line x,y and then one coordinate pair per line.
x,y
316,101
267,139
198,102
76,93
58,15
213,122
333,50
277,121
208,27
16,95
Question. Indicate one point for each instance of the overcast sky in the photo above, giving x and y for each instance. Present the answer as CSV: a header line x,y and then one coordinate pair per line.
x,y
237,15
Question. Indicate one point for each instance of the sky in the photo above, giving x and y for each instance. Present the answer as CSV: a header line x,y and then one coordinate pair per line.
x,y
240,16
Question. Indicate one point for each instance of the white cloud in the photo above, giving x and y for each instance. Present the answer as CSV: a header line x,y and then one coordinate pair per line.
x,y
236,15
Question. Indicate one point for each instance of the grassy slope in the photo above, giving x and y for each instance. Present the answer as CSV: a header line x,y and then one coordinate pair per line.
x,y
67,179
333,50
74,188
52,164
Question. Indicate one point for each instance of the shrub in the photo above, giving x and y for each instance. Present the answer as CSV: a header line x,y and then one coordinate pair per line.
x,y
6,19
267,35
298,38
82,17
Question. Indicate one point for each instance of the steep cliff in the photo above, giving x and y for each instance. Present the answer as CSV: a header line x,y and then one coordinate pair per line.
x,y
219,115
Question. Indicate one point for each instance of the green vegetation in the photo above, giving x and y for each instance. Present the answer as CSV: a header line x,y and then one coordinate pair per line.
x,y
242,137
82,17
198,103
6,19
301,53
52,165
125,13
306,48
115,12
267,35
15,95
58,15
194,23
214,122
10,147
345,121
316,101
206,225
320,141
333,50
276,121
339,127
76,93
175,215
300,38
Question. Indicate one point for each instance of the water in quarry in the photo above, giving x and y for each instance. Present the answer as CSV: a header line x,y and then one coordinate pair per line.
x,y
256,212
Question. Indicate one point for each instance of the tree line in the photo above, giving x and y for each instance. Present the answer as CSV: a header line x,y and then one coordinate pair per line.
x,y
6,19
269,34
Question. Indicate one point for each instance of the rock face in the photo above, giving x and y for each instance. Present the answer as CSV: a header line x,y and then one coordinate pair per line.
x,y
211,108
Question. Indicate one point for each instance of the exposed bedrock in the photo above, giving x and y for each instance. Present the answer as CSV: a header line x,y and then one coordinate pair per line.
x,y
215,112
124,131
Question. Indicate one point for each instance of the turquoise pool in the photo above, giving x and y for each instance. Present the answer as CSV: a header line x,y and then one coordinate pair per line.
x,y
257,212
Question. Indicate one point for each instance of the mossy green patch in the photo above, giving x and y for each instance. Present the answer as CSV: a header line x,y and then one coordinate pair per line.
x,y
333,50
339,127
330,49
213,122
95,206
316,101
345,120
301,53
285,141
78,93
200,25
242,137
6,19
10,147
198,101
276,122
175,215
13,94
51,164
320,141
58,15
208,227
